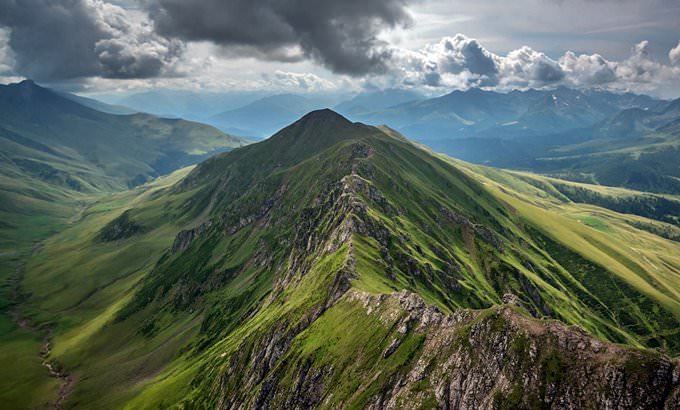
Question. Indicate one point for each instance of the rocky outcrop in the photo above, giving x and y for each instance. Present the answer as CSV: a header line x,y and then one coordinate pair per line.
x,y
122,227
186,237
504,359
484,233
494,359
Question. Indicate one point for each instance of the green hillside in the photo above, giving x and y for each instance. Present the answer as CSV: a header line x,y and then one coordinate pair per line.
x,y
57,155
645,162
57,158
340,265
126,148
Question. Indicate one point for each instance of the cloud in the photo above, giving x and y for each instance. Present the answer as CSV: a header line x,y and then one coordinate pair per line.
x,y
6,55
587,70
638,67
60,40
459,53
526,67
460,62
674,55
341,35
300,81
230,43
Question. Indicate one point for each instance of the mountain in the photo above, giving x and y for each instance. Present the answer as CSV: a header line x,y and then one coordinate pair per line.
x,y
340,265
126,148
635,148
480,113
639,121
593,136
266,115
57,154
371,101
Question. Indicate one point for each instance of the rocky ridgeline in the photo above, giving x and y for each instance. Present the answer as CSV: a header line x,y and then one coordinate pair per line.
x,y
471,359
494,359
501,358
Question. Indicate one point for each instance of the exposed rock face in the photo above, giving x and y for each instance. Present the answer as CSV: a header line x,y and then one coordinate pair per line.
x,y
184,238
503,359
492,359
486,234
120,228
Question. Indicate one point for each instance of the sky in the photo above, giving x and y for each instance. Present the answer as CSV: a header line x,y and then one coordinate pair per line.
x,y
323,46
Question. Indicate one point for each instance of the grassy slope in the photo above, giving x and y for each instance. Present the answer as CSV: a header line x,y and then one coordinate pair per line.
x,y
188,313
74,216
56,158
56,139
644,163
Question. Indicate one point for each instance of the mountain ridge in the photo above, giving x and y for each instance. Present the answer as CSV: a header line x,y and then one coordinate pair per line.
x,y
338,264
113,143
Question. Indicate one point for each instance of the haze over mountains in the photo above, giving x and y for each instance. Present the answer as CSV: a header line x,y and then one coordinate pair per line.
x,y
478,113
536,130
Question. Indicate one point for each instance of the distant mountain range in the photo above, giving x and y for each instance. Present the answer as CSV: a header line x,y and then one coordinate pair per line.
x,y
368,102
187,104
635,148
253,114
479,113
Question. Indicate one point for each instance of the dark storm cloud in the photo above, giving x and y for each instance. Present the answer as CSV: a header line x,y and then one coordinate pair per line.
x,y
57,40
341,35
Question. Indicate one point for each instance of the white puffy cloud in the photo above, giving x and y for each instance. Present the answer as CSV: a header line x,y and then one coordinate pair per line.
x,y
300,81
526,67
639,67
459,53
674,55
586,70
131,47
641,73
453,62
460,62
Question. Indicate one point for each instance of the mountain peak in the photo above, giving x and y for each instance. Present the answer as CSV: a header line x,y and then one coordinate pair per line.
x,y
320,127
310,135
27,83
325,114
